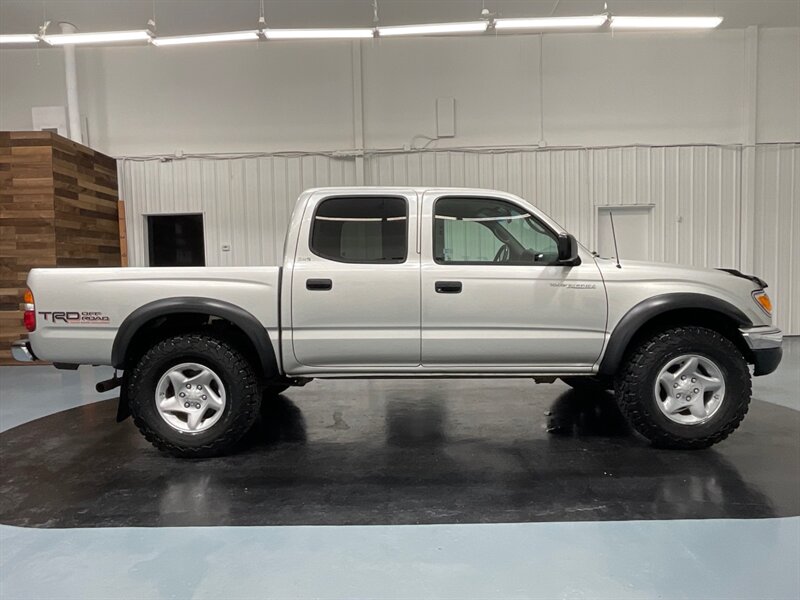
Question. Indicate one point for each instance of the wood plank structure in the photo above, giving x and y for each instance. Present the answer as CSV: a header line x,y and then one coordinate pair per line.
x,y
58,207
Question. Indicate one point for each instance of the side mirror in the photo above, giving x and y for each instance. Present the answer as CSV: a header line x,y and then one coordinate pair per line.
x,y
568,250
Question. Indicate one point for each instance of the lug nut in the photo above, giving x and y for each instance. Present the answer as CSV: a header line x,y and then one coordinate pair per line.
x,y
188,386
186,405
199,387
693,379
683,377
203,397
674,385
182,395
197,405
696,390
677,395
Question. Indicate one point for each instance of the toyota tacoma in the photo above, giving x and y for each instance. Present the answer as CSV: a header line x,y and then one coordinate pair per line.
x,y
409,282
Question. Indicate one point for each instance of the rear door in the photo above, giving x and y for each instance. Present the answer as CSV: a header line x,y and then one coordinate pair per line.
x,y
355,282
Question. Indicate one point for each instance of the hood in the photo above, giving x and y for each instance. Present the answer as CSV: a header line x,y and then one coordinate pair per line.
x,y
729,280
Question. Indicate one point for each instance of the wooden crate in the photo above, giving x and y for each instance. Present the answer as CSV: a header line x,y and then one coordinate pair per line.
x,y
58,207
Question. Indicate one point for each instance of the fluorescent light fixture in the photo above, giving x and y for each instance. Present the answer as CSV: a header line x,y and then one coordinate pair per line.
x,y
551,23
434,28
105,37
318,34
665,22
206,38
22,38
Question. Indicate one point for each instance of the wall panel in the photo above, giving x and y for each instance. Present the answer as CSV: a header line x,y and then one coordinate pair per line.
x,y
245,202
776,217
695,192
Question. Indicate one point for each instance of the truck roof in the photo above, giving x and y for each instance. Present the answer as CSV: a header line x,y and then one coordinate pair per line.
x,y
386,188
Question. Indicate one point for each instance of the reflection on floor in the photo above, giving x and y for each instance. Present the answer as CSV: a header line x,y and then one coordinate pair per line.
x,y
496,451
467,452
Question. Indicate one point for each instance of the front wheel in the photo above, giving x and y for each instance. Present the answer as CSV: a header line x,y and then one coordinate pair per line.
x,y
193,395
687,387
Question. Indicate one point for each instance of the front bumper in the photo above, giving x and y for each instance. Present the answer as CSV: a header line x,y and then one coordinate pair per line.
x,y
21,351
765,346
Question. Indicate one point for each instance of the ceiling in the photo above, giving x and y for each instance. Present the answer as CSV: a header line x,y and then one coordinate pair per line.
x,y
198,16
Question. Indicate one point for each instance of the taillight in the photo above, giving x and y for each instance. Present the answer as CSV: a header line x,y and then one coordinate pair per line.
x,y
29,316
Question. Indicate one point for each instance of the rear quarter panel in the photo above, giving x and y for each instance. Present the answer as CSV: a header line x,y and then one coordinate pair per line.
x,y
95,302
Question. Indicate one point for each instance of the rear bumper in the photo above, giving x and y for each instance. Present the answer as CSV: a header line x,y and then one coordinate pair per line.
x,y
765,346
21,351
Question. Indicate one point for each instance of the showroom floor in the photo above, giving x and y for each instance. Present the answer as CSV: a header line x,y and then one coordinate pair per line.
x,y
397,489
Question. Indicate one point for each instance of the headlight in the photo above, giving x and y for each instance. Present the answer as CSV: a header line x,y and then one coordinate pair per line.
x,y
762,299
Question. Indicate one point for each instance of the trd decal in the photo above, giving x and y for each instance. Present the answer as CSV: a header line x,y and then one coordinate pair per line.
x,y
74,317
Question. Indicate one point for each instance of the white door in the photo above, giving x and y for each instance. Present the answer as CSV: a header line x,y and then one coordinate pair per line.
x,y
633,226
355,283
493,295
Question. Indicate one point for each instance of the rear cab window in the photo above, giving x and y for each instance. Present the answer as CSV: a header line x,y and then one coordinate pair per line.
x,y
361,229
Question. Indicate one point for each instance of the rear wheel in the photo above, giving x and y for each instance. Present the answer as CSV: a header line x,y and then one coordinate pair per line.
x,y
193,395
687,387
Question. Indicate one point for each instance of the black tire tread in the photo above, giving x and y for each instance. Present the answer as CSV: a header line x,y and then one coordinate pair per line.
x,y
634,369
243,419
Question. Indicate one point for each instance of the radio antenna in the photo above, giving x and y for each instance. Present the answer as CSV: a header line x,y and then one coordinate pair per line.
x,y
614,235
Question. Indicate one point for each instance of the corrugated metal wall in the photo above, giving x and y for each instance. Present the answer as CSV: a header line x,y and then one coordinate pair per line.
x,y
695,191
246,202
776,229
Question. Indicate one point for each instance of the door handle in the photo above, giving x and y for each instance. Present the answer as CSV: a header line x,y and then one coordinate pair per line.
x,y
448,287
319,284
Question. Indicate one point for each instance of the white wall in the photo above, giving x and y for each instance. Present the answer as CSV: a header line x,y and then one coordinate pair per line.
x,y
695,191
737,207
597,89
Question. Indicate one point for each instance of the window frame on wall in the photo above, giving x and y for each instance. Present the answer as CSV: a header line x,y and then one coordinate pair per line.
x,y
312,230
149,224
548,231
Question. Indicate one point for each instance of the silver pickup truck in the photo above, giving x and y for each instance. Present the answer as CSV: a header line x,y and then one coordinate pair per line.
x,y
401,282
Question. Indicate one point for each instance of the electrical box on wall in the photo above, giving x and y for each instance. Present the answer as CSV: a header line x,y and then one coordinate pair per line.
x,y
445,117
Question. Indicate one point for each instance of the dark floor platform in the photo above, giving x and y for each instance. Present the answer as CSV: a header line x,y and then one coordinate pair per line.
x,y
400,452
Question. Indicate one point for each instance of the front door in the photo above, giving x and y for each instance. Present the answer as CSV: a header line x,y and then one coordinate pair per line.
x,y
493,295
355,283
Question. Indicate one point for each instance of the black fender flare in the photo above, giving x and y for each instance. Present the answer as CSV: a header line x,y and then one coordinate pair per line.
x,y
244,320
643,312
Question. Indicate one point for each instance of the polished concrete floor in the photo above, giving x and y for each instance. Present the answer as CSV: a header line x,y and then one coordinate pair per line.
x,y
347,453
479,462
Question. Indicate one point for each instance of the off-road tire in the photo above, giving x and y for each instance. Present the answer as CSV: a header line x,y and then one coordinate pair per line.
x,y
237,375
635,382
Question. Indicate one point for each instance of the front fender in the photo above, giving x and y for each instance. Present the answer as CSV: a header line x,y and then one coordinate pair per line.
x,y
648,309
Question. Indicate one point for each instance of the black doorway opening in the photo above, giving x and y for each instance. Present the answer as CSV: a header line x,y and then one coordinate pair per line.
x,y
176,240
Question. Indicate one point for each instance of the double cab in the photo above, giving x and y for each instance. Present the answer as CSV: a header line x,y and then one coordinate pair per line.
x,y
409,282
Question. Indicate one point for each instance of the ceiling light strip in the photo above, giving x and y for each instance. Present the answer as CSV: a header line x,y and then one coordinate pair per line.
x,y
550,23
207,38
423,29
665,22
434,29
319,34
21,38
105,37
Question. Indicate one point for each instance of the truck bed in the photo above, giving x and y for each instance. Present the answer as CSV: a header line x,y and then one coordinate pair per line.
x,y
78,311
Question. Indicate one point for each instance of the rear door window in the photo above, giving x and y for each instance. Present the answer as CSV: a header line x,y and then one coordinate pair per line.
x,y
361,229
